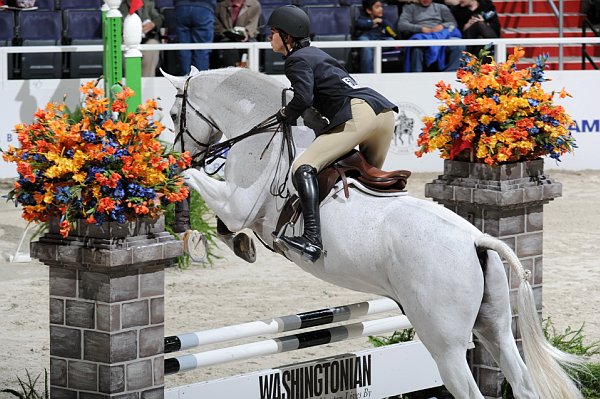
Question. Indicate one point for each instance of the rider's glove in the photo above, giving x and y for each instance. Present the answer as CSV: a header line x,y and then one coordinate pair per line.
x,y
281,116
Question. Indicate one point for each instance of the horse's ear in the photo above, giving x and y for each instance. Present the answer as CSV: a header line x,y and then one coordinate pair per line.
x,y
194,71
177,81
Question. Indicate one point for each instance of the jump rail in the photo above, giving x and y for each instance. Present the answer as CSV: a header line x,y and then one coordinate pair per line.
x,y
279,324
285,344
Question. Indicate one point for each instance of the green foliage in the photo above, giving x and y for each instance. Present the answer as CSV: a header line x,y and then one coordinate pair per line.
x,y
202,220
397,336
570,341
28,387
590,381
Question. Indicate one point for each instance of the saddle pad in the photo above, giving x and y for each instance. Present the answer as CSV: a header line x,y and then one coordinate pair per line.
x,y
361,187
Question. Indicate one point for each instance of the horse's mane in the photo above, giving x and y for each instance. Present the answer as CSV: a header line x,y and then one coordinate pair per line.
x,y
237,98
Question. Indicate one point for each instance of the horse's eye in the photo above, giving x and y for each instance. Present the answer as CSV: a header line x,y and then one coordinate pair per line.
x,y
173,116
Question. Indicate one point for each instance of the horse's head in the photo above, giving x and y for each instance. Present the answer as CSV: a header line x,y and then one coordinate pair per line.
x,y
187,118
226,101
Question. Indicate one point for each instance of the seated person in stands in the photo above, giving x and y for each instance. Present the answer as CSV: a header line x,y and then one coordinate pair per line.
x,y
371,26
426,20
152,21
401,3
235,20
19,3
476,19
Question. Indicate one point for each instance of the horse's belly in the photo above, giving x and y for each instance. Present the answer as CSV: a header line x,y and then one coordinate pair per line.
x,y
383,245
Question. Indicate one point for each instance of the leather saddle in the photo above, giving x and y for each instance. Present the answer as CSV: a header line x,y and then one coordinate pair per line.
x,y
355,165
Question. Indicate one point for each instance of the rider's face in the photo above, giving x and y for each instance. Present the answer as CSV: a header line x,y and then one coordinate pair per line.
x,y
277,42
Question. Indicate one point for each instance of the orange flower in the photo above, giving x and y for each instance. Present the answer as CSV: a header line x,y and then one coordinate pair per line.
x,y
84,170
106,204
65,226
502,115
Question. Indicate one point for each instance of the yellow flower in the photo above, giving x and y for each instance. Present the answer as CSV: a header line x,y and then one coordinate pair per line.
x,y
79,177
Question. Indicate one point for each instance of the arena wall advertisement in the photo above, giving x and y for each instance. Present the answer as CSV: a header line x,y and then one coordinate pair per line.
x,y
413,93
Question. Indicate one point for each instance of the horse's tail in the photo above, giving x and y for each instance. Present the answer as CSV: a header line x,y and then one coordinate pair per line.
x,y
545,362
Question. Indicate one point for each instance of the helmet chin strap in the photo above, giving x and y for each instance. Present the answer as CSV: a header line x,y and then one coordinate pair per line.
x,y
284,36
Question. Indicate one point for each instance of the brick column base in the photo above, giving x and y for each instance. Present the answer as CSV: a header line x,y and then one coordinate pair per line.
x,y
505,202
107,309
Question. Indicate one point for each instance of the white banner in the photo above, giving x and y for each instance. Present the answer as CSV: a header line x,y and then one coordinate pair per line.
x,y
413,93
375,373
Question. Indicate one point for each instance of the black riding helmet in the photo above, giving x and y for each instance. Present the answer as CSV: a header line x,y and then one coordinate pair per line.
x,y
291,20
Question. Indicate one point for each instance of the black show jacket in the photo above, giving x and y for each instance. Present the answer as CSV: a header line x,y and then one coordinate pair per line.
x,y
319,80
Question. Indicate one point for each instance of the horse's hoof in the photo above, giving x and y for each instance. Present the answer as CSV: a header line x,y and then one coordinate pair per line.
x,y
195,245
243,246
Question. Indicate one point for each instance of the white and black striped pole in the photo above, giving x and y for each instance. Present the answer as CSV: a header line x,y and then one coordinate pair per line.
x,y
285,344
279,324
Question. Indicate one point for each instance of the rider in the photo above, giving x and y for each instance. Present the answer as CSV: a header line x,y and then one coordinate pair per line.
x,y
357,116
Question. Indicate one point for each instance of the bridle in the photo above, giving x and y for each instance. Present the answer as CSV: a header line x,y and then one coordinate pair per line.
x,y
183,130
211,152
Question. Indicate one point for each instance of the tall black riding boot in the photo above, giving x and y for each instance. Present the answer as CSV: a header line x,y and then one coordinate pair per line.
x,y
308,244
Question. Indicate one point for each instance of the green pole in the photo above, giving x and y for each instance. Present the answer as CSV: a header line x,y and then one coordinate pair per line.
x,y
112,32
132,37
133,78
106,50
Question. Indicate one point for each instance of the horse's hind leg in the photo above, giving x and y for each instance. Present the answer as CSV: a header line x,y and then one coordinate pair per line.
x,y
493,328
456,374
445,330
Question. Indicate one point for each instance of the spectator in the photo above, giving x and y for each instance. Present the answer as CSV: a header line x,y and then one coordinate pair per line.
x,y
401,3
195,24
152,21
426,20
235,20
20,3
371,26
476,19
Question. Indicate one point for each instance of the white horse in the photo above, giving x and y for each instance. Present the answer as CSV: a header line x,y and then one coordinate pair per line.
x,y
447,275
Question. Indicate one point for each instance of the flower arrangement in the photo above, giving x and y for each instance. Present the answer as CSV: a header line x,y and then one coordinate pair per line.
x,y
107,166
502,115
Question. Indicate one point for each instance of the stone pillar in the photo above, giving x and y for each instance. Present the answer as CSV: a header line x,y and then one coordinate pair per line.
x,y
506,202
107,308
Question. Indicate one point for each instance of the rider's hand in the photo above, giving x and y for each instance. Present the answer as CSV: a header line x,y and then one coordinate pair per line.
x,y
281,116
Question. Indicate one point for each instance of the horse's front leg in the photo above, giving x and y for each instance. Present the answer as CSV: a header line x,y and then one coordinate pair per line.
x,y
219,198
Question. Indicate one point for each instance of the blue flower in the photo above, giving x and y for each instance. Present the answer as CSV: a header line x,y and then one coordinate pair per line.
x,y
121,152
26,199
532,102
533,131
63,194
89,137
118,192
149,193
92,173
118,213
100,218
